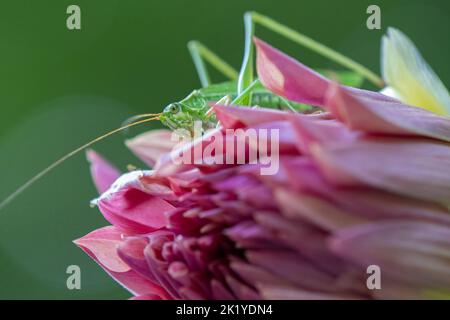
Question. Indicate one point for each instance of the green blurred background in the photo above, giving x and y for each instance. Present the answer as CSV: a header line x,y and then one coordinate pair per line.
x,y
60,88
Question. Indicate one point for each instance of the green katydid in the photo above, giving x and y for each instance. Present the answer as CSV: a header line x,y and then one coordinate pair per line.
x,y
241,89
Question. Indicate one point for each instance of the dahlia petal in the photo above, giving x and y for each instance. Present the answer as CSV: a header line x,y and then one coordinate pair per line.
x,y
288,78
211,152
140,286
413,252
150,146
180,221
157,186
233,117
254,274
101,245
375,204
127,207
193,280
312,209
186,246
131,251
240,289
220,292
309,131
237,181
301,173
292,267
306,239
382,117
364,203
248,189
416,168
285,141
130,211
159,270
392,289
186,156
102,172
280,292
249,235
191,294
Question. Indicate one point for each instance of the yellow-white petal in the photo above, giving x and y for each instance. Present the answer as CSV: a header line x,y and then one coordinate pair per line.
x,y
410,76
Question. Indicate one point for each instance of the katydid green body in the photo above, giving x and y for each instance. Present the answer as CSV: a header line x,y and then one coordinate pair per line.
x,y
182,114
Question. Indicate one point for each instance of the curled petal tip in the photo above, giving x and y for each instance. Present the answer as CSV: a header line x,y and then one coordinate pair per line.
x,y
289,78
103,173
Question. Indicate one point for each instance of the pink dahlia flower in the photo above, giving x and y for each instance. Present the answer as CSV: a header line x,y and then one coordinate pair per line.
x,y
366,182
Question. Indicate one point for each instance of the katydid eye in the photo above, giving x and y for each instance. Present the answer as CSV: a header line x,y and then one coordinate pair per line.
x,y
172,108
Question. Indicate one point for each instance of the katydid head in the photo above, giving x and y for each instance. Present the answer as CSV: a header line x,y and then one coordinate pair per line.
x,y
184,114
177,116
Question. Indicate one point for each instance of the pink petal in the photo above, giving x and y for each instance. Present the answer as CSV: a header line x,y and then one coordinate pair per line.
x,y
282,292
185,157
249,235
233,117
140,286
150,146
283,133
248,189
101,245
309,131
367,203
375,204
414,252
377,116
314,210
129,208
288,78
254,274
417,168
102,172
210,152
131,250
306,239
392,289
291,267
220,292
240,289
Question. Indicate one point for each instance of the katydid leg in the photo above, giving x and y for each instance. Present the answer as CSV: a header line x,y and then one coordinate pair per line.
x,y
253,18
246,73
201,54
